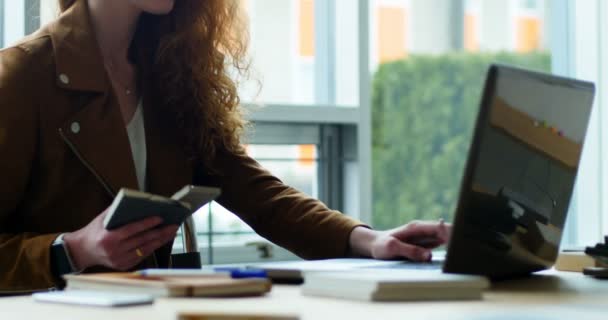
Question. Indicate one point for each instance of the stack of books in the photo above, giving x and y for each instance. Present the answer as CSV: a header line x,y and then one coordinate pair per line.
x,y
203,285
388,285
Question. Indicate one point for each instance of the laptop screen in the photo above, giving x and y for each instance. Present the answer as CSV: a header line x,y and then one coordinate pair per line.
x,y
521,173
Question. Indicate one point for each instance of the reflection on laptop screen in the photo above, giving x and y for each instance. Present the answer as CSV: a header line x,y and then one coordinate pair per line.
x,y
521,173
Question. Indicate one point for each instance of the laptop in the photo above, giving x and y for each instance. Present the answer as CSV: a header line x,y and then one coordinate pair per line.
x,y
517,183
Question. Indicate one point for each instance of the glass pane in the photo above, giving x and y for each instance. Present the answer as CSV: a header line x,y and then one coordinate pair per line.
x,y
2,45
347,53
19,18
296,56
296,165
429,60
13,21
282,51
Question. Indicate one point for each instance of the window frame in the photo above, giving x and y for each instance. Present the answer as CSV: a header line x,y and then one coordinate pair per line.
x,y
582,54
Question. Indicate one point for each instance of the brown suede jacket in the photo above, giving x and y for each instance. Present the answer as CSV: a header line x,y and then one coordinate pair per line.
x,y
64,157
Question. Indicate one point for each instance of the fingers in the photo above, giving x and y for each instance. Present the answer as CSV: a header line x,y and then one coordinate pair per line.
x,y
118,248
134,228
428,243
142,238
419,228
420,232
150,246
411,252
140,246
391,248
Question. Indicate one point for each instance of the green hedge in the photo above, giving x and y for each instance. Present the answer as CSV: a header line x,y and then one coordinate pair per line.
x,y
423,110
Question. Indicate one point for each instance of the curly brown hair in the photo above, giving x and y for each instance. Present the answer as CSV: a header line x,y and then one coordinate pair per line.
x,y
189,56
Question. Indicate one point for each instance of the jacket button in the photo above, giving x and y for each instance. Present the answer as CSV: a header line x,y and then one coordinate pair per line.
x,y
75,127
64,78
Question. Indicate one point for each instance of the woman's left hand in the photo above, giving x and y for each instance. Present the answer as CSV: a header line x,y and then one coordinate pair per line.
x,y
413,241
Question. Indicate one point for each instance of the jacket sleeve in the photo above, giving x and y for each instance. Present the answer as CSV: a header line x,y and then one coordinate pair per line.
x,y
24,256
280,213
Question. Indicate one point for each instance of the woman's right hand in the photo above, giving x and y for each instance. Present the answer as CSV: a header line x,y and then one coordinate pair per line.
x,y
119,249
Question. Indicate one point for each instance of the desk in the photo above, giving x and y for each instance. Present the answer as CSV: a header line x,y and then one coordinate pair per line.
x,y
547,295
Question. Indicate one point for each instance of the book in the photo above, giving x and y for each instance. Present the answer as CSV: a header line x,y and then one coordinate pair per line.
x,y
132,205
208,285
93,298
233,316
392,285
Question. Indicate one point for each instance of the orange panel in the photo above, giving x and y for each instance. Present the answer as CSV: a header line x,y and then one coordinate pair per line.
x,y
392,27
471,42
307,28
306,155
528,34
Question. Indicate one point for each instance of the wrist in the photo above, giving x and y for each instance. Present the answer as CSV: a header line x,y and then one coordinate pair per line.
x,y
361,240
77,254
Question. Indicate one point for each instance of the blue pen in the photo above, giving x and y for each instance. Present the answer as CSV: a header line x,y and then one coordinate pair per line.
x,y
239,273
236,273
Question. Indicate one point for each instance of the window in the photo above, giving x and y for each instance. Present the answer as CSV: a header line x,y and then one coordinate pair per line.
x,y
308,164
424,103
299,50
583,48
282,51
296,165
2,23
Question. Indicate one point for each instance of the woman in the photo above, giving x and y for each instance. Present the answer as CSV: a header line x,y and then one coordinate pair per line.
x,y
136,93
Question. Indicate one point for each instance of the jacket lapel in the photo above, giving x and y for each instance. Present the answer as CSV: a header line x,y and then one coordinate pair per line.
x,y
98,137
95,132
78,61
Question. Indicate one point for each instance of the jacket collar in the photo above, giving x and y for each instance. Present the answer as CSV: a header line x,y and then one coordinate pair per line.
x,y
79,65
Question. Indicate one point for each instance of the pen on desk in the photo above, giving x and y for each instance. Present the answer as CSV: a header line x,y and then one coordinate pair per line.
x,y
176,272
236,273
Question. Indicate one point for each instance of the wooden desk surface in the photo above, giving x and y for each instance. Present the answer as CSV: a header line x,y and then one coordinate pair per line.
x,y
548,295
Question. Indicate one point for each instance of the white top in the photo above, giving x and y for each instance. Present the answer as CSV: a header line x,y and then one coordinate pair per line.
x,y
137,139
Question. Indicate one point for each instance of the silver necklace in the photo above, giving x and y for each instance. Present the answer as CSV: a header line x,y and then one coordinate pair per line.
x,y
110,67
